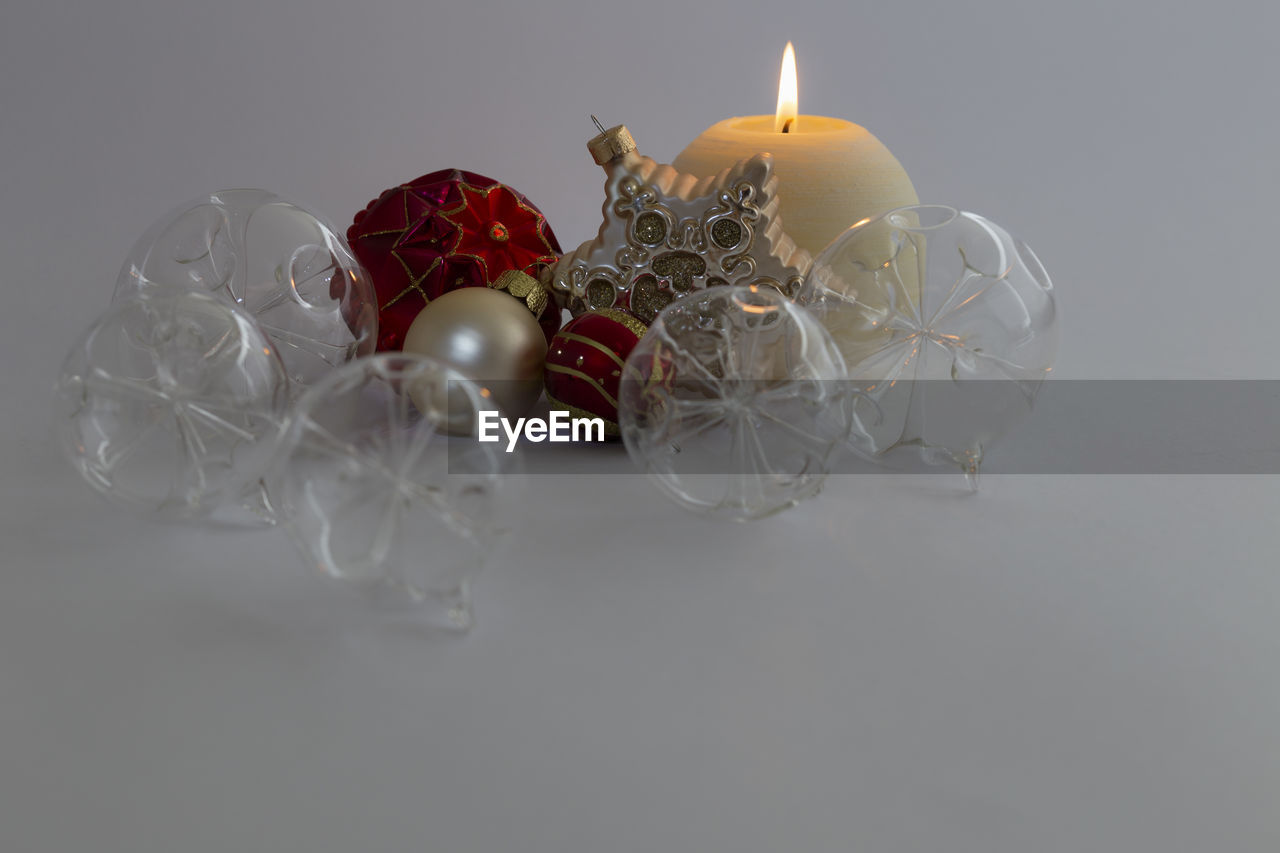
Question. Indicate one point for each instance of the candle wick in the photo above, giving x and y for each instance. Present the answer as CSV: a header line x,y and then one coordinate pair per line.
x,y
786,128
597,123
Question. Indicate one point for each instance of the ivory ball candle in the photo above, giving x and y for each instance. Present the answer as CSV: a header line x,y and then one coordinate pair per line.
x,y
831,172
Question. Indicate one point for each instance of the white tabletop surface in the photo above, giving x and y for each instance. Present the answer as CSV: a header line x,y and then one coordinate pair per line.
x,y
1059,663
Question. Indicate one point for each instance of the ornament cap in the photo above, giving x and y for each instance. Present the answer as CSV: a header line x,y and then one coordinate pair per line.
x,y
611,144
525,287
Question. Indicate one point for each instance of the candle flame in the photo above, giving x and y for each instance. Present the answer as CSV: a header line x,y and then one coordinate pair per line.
x,y
786,118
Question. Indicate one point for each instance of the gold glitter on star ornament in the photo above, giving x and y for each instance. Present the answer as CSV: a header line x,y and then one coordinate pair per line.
x,y
666,234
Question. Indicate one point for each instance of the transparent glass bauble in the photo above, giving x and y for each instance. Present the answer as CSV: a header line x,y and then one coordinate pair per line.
x,y
947,324
284,265
170,403
375,493
735,402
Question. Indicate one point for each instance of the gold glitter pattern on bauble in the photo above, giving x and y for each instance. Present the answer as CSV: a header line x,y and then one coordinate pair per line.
x,y
636,327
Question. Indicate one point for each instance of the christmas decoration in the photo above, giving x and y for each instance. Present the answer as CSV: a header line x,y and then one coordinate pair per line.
x,y
286,266
666,234
447,230
490,339
735,402
170,404
224,380
948,326
373,494
584,364
831,172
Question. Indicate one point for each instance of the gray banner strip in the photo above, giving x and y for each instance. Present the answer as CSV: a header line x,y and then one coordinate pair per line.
x,y
1145,427
1074,427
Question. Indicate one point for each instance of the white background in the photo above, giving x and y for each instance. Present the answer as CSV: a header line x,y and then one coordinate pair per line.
x,y
1057,664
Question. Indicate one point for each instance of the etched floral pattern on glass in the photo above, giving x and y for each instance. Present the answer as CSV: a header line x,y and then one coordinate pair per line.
x,y
948,325
734,402
170,403
375,493
284,265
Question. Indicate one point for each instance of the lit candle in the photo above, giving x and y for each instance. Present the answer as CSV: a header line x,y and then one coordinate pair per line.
x,y
831,172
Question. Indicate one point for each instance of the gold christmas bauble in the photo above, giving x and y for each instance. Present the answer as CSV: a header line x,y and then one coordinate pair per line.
x,y
490,338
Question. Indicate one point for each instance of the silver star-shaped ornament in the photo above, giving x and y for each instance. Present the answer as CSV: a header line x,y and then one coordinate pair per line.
x,y
666,234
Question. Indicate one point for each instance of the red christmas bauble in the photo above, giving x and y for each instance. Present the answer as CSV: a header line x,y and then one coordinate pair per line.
x,y
443,231
584,364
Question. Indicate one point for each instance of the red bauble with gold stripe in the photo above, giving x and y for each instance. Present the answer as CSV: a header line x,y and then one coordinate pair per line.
x,y
584,364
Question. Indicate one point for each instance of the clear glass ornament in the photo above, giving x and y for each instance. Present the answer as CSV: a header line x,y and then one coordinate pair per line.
x,y
734,402
170,403
374,492
284,265
947,324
